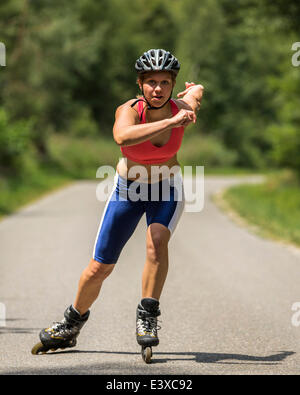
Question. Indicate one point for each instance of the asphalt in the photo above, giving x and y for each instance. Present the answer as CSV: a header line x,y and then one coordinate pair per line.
x,y
226,306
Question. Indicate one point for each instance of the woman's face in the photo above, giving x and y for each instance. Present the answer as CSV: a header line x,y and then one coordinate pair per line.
x,y
157,87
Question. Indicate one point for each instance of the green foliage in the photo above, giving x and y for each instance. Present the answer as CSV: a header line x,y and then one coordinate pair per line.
x,y
201,150
274,209
83,124
284,134
71,64
81,157
15,141
233,56
286,145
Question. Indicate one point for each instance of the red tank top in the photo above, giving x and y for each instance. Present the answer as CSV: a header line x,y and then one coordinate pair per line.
x,y
146,152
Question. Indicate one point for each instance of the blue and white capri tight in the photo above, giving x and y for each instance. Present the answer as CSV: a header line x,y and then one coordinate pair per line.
x,y
163,203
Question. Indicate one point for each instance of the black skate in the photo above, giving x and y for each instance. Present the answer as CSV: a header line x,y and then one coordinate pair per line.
x,y
61,334
146,326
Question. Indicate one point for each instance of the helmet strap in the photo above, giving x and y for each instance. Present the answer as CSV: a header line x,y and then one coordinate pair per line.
x,y
156,108
149,107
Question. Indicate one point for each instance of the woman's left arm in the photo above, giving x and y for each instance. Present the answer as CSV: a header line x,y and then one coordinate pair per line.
x,y
191,96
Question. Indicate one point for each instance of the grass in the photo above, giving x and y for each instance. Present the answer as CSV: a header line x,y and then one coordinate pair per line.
x,y
16,193
71,159
79,158
273,206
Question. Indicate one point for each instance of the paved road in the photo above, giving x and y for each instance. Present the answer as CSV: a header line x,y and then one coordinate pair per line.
x,y
226,306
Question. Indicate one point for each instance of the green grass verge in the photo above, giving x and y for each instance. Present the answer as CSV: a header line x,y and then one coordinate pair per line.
x,y
79,158
70,159
273,207
16,193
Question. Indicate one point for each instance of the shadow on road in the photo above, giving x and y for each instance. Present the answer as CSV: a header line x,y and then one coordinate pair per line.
x,y
8,329
158,365
5,330
201,357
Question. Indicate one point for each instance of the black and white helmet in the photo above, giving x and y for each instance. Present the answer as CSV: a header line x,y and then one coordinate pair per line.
x,y
157,60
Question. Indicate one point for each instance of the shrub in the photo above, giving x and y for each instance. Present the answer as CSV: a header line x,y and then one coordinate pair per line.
x,y
285,141
15,143
205,151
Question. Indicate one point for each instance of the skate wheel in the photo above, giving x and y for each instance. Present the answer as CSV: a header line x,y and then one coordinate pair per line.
x,y
39,348
147,354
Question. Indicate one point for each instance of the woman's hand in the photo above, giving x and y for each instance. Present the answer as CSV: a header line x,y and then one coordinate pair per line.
x,y
183,118
188,86
192,95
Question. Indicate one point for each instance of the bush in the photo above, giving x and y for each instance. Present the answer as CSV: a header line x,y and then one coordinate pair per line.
x,y
80,157
83,125
285,141
203,150
15,144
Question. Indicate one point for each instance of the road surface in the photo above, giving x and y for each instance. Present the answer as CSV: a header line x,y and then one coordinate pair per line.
x,y
226,306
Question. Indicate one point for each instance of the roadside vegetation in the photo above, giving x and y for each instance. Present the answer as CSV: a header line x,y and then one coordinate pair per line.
x,y
273,207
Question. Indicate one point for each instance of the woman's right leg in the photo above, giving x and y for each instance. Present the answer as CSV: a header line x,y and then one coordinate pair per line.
x,y
90,284
118,223
119,220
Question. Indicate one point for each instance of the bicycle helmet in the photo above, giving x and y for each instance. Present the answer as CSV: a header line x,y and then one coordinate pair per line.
x,y
157,60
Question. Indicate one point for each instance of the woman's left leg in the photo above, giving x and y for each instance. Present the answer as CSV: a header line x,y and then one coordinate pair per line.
x,y
154,275
157,260
162,217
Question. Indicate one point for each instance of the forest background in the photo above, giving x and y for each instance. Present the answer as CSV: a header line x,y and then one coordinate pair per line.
x,y
69,65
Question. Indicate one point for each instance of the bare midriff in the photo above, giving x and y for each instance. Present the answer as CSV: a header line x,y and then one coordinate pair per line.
x,y
147,172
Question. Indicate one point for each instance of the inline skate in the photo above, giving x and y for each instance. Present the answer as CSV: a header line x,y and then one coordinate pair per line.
x,y
146,326
61,334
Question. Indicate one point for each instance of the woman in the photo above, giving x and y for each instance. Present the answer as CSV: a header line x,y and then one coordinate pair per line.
x,y
149,132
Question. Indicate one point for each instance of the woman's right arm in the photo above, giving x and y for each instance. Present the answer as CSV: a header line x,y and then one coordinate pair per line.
x,y
128,131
